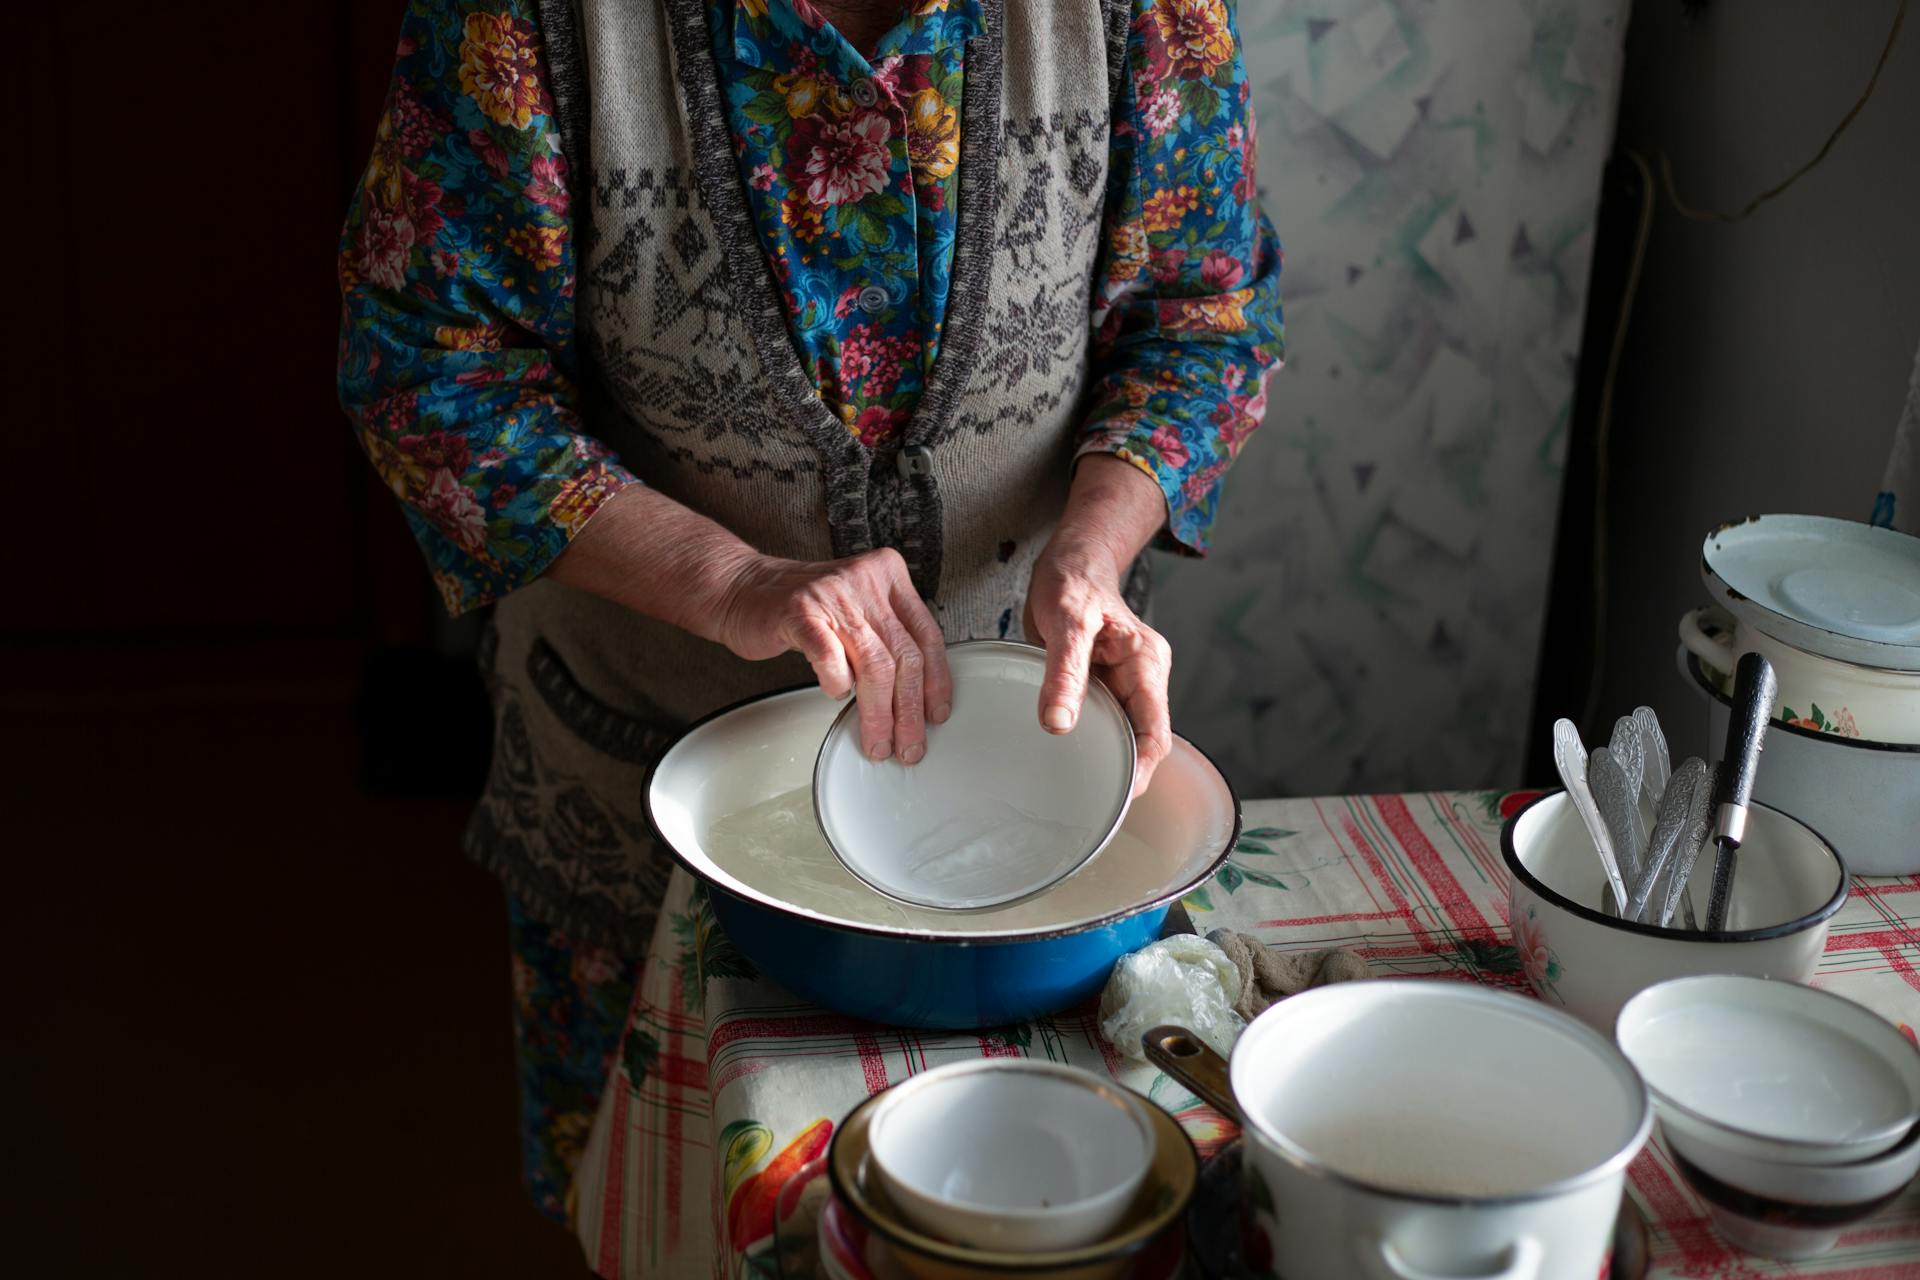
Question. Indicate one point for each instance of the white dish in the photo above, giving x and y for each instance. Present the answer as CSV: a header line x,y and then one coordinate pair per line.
x,y
1772,1071
1780,1209
1011,1154
1831,587
999,808
1789,886
1862,796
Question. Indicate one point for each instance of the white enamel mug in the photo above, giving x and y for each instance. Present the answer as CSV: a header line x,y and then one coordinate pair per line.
x,y
1410,1130
1822,694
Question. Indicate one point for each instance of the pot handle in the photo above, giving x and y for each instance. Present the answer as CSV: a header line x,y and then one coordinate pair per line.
x,y
1521,1261
1184,1056
1716,653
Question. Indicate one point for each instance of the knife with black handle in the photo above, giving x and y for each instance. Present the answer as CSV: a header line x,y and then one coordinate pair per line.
x,y
1754,687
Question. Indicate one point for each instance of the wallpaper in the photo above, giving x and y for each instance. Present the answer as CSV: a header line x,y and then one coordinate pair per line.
x,y
1370,617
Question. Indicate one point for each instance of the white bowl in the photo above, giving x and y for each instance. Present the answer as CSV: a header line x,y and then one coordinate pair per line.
x,y
1789,884
1772,1071
999,808
1863,796
1779,1209
1011,1154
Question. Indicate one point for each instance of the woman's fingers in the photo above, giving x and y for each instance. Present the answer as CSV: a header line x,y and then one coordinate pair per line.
x,y
1146,678
873,676
820,645
909,692
914,616
1069,656
1137,663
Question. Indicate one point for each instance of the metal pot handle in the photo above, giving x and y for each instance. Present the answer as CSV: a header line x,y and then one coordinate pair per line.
x,y
1520,1261
1717,653
1184,1056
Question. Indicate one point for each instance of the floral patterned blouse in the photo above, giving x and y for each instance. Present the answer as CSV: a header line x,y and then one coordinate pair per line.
x,y
458,356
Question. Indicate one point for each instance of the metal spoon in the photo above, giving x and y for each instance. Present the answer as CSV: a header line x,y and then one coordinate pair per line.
x,y
1570,758
1674,806
1631,755
1689,851
1618,804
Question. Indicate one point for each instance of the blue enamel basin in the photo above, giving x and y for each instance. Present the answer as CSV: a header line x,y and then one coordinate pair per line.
x,y
865,955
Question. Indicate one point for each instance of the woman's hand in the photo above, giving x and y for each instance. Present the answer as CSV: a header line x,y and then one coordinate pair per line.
x,y
863,628
1075,609
858,621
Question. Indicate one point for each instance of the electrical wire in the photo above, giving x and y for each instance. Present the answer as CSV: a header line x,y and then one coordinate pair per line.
x,y
1602,431
1685,210
1604,417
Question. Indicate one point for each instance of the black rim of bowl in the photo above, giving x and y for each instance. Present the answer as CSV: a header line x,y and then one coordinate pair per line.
x,y
1519,870
1204,875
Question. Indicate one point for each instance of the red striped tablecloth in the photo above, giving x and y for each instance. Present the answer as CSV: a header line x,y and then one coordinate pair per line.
x,y
726,1082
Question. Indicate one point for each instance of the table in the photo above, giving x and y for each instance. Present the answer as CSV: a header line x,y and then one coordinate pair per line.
x,y
726,1083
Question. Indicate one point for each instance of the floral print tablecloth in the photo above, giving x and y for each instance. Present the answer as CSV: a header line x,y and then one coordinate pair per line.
x,y
727,1084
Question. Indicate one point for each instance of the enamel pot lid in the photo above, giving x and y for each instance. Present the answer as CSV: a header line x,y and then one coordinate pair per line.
x,y
1835,588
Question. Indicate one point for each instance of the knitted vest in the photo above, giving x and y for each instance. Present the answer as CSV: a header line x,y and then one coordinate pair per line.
x,y
692,377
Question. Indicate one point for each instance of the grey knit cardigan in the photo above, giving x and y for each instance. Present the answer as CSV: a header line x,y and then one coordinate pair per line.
x,y
692,377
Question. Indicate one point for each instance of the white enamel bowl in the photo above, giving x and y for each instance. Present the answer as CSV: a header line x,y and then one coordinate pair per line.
x,y
1789,884
999,808
1862,795
1772,1071
1013,1155
1780,1209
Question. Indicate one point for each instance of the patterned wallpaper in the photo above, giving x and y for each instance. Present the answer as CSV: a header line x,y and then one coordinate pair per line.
x,y
1370,618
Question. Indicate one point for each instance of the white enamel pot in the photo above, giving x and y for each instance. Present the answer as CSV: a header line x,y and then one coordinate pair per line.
x,y
1843,699
1863,796
1410,1130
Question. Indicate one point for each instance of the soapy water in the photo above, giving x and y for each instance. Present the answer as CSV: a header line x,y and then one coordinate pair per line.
x,y
970,855
776,847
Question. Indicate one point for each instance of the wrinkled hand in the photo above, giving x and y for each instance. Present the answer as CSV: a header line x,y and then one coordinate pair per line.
x,y
1074,607
862,627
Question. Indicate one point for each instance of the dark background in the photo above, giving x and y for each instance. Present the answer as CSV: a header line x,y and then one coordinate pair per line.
x,y
260,1015
260,1004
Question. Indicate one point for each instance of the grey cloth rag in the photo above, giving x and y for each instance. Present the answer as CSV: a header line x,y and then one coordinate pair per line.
x,y
1268,977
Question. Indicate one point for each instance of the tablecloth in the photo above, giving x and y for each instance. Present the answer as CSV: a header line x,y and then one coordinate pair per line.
x,y
726,1083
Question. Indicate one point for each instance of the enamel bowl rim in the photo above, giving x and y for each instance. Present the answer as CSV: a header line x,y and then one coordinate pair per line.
x,y
1123,1100
1097,692
1123,1242
1796,632
1796,991
1522,874
758,898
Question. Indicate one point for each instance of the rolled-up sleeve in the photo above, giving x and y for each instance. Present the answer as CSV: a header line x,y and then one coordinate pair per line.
x,y
456,265
1187,325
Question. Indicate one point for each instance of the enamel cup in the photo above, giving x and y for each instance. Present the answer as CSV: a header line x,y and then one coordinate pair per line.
x,y
1409,1130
